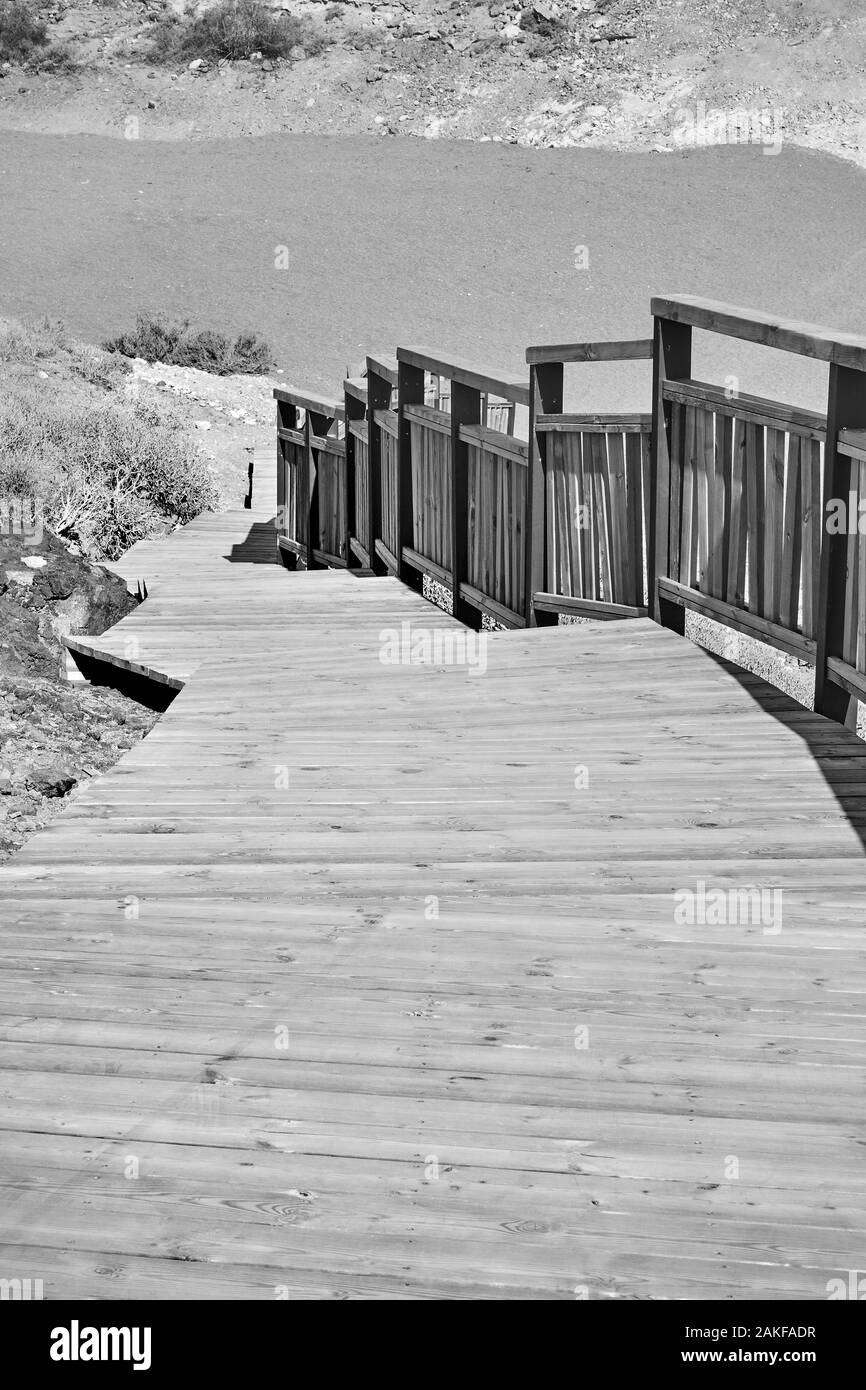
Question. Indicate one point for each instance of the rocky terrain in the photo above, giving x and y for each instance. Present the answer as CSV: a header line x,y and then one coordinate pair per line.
x,y
623,73
54,735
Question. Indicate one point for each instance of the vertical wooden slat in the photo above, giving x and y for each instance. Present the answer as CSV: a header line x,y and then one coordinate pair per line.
x,y
410,391
860,658
704,447
633,444
810,482
738,518
792,544
378,398
774,484
755,513
725,442
620,569
677,414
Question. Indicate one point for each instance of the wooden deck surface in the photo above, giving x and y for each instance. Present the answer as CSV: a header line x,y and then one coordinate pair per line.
x,y
293,998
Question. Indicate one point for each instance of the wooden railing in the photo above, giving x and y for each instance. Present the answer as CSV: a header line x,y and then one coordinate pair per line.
x,y
591,487
744,491
715,500
311,479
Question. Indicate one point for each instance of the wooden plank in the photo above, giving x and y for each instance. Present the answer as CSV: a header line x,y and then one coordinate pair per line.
x,y
615,422
752,326
756,409
506,446
468,374
395,865
621,350
304,400
792,544
428,416
735,591
586,608
756,516
742,620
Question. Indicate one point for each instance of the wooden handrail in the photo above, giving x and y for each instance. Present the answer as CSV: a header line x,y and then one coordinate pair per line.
x,y
304,400
619,350
505,384
752,326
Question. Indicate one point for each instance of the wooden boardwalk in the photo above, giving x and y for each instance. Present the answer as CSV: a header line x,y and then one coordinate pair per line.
x,y
357,979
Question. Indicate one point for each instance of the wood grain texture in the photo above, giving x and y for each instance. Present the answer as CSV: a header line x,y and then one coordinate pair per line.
x,y
509,1072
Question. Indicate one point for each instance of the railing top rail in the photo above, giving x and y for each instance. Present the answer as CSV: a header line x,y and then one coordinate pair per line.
x,y
505,384
788,335
385,367
319,405
620,350
356,386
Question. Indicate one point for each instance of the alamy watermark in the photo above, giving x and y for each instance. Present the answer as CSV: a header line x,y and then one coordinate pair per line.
x,y
846,517
418,646
719,907
703,127
21,1290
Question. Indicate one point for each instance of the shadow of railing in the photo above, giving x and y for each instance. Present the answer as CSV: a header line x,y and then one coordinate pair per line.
x,y
259,546
831,746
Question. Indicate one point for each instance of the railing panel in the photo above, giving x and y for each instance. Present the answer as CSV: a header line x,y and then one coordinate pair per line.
x,y
390,526
358,429
431,489
495,522
596,529
330,466
745,510
293,521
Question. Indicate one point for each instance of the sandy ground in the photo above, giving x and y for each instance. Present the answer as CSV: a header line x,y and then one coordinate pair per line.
x,y
333,247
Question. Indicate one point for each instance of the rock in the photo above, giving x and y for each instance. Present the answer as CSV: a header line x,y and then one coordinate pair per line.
x,y
297,54
53,780
256,57
197,65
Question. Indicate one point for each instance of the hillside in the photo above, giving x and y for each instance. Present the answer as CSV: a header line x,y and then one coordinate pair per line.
x,y
622,73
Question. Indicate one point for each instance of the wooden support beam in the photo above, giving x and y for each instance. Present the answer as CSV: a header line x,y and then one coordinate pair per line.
x,y
356,409
546,393
465,410
410,391
672,361
379,389
846,410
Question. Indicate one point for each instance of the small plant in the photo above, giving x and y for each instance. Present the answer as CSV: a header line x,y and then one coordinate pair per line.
x,y
24,38
108,474
22,33
547,32
233,29
158,339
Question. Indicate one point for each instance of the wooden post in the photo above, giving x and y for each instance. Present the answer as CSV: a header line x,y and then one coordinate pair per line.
x,y
410,391
672,361
287,418
378,398
315,425
546,388
355,410
846,409
465,410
